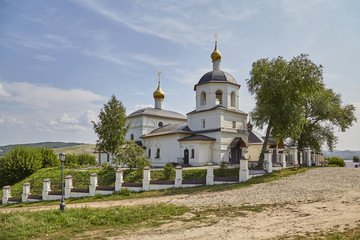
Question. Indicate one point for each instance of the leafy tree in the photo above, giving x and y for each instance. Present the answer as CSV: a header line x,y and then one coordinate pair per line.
x,y
322,113
336,161
132,155
49,158
19,163
356,159
281,88
169,172
112,127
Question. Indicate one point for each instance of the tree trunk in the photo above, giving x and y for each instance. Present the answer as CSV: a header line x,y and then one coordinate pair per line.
x,y
266,140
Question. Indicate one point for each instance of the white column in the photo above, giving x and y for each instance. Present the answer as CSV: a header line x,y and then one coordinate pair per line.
x,y
293,153
46,188
6,194
26,192
209,174
282,156
119,179
178,176
93,184
267,161
307,152
244,170
146,179
301,158
68,186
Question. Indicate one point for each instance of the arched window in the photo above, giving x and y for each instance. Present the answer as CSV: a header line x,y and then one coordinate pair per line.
x,y
218,94
233,99
203,98
192,153
160,124
157,153
149,153
132,136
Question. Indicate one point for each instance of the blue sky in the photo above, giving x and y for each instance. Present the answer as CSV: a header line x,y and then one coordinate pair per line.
x,y
62,60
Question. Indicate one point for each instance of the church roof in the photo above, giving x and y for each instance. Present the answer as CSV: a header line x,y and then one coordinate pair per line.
x,y
169,129
255,137
197,137
217,76
217,107
157,112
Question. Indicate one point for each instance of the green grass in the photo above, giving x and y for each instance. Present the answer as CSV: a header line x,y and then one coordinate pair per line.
x,y
25,225
83,148
17,188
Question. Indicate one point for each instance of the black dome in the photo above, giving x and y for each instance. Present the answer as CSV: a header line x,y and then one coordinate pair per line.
x,y
217,76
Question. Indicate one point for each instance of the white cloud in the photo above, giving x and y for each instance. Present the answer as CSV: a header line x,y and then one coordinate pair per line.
x,y
105,55
11,121
152,61
87,117
45,58
3,92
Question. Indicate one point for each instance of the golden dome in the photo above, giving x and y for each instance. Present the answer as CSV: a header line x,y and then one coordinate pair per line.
x,y
216,55
159,94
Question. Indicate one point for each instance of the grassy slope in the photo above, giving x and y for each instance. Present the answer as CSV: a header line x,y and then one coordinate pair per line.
x,y
83,148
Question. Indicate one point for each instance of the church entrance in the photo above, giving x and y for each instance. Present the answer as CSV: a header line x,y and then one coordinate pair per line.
x,y
236,146
186,156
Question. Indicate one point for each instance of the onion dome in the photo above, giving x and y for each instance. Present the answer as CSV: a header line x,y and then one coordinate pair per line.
x,y
159,94
216,55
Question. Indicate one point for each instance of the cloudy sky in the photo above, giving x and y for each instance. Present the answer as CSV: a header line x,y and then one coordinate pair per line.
x,y
62,60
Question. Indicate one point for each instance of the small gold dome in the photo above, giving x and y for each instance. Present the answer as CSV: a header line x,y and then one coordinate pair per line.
x,y
159,94
216,55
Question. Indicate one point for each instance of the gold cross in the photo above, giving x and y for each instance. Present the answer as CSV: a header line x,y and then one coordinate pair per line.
x,y
216,36
159,74
249,116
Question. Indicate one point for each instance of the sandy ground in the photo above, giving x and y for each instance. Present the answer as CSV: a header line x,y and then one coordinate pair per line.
x,y
320,200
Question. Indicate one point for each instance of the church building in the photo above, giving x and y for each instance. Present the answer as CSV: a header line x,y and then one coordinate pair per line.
x,y
214,132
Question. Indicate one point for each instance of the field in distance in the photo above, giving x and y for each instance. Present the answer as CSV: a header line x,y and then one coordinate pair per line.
x,y
83,148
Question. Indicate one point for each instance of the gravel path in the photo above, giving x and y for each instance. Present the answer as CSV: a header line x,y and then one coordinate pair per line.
x,y
316,184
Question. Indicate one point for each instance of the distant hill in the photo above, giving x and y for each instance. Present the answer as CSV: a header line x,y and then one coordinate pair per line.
x,y
54,145
347,154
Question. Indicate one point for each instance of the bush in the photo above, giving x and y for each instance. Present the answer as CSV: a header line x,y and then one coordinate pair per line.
x,y
169,172
49,158
336,161
86,159
19,163
356,159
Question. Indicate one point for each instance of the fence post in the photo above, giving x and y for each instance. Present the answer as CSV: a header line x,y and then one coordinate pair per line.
x,y
46,189
6,194
178,176
93,184
307,152
146,178
293,153
119,179
300,158
26,192
244,170
68,186
267,161
209,174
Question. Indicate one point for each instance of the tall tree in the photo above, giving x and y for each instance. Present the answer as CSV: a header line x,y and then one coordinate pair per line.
x,y
132,155
323,113
112,127
281,88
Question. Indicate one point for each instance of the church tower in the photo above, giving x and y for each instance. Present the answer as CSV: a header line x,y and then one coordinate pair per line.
x,y
159,95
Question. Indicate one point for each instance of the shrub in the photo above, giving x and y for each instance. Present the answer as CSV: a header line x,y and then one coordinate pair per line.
x,y
49,158
356,159
336,161
86,159
70,160
19,163
169,172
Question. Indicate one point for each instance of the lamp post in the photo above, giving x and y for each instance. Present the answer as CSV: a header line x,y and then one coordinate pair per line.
x,y
62,160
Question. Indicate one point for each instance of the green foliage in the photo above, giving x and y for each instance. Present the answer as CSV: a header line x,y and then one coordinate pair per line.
x,y
336,161
72,160
323,111
49,158
132,155
19,163
169,172
356,159
112,127
27,225
108,167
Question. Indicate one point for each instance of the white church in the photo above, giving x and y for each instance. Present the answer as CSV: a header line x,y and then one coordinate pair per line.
x,y
215,131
